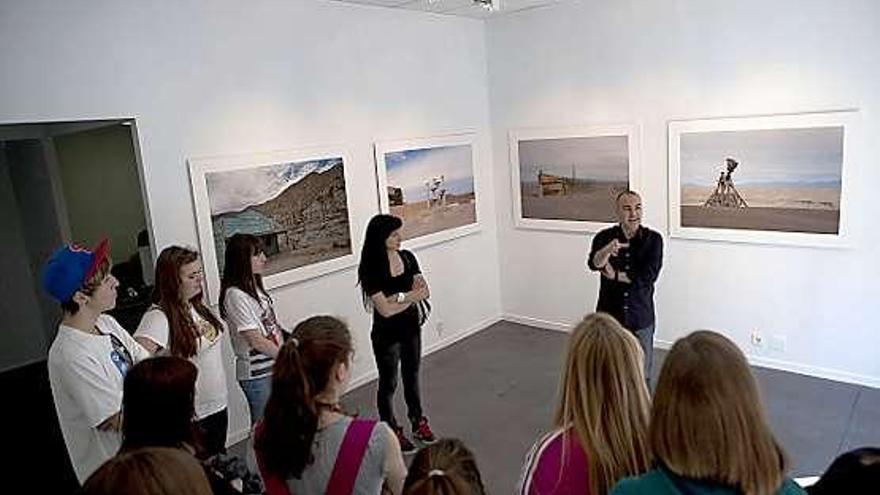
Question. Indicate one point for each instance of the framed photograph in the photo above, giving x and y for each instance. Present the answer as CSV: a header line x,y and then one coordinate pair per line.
x,y
568,178
776,179
430,184
295,201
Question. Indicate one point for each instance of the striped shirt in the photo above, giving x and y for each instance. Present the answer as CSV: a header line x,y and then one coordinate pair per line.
x,y
243,313
556,465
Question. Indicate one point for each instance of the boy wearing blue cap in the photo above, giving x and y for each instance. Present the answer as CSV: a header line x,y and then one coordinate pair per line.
x,y
90,355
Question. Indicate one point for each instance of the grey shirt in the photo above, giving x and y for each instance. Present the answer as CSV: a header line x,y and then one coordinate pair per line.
x,y
325,449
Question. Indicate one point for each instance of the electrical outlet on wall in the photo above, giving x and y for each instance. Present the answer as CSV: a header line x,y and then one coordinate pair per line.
x,y
757,338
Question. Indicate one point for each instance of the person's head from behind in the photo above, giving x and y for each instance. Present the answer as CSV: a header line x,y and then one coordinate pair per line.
x,y
707,421
856,472
628,206
309,373
158,404
447,467
79,278
149,471
604,398
243,265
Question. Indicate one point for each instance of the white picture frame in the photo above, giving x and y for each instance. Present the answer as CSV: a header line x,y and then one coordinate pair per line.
x,y
253,168
411,164
608,153
787,166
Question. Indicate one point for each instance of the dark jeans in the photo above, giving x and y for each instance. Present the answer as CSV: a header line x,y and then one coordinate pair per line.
x,y
211,432
645,337
393,348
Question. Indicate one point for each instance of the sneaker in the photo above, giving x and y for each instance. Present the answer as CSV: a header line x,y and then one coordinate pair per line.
x,y
406,446
422,432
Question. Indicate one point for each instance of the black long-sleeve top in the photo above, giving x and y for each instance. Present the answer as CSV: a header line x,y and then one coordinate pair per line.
x,y
631,303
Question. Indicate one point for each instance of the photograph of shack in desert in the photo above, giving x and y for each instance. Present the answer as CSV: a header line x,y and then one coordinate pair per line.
x,y
785,180
431,189
299,210
573,178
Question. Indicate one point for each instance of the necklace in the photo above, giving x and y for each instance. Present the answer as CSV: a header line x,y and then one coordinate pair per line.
x,y
332,407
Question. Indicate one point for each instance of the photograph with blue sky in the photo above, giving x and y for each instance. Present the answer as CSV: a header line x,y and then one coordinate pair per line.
x,y
778,158
409,169
235,190
600,158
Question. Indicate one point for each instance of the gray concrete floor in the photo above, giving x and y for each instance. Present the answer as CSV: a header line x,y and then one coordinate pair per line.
x,y
496,390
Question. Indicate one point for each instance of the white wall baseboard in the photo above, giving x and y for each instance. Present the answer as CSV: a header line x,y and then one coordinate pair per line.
x,y
538,323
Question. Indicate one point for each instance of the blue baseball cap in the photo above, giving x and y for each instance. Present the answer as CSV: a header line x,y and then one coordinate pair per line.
x,y
70,267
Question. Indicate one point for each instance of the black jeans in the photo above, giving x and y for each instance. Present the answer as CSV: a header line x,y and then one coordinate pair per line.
x,y
393,347
211,432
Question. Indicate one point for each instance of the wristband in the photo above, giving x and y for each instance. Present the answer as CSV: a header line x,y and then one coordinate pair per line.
x,y
401,297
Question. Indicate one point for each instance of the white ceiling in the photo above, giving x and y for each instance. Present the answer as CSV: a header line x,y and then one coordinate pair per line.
x,y
463,8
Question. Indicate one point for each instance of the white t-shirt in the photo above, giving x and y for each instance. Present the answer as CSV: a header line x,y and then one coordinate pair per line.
x,y
86,373
243,312
211,394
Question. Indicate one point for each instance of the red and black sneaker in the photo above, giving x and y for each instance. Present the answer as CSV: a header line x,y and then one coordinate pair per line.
x,y
406,446
422,432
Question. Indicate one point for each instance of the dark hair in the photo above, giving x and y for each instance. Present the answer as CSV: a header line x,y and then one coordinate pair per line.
x,y
149,471
856,472
237,270
301,371
373,269
158,404
89,286
447,467
183,332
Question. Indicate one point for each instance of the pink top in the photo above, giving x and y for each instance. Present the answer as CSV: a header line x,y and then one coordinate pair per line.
x,y
556,465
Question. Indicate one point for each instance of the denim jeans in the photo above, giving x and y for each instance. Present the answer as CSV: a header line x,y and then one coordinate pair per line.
x,y
256,391
646,341
392,349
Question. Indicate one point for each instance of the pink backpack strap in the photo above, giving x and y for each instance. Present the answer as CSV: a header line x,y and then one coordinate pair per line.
x,y
271,483
350,457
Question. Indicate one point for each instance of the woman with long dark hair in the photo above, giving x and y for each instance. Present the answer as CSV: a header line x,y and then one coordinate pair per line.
x,y
304,443
247,309
180,324
393,287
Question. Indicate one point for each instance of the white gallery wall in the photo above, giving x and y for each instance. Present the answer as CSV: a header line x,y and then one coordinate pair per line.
x,y
231,77
648,62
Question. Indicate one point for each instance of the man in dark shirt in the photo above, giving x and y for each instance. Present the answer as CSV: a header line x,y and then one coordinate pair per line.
x,y
629,257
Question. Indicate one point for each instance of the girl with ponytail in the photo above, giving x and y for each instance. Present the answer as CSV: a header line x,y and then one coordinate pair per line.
x,y
447,467
304,443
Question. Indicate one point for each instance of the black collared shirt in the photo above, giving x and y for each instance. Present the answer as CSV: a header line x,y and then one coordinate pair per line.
x,y
631,303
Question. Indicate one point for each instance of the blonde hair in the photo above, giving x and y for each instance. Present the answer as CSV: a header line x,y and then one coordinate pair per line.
x,y
603,397
149,471
707,420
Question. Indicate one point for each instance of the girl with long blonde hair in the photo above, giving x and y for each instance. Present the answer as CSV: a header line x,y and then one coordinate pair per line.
x,y
708,431
601,420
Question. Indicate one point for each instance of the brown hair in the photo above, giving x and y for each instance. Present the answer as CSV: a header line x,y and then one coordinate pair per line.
x,y
447,467
237,269
603,397
302,370
149,471
157,404
89,286
183,332
707,420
